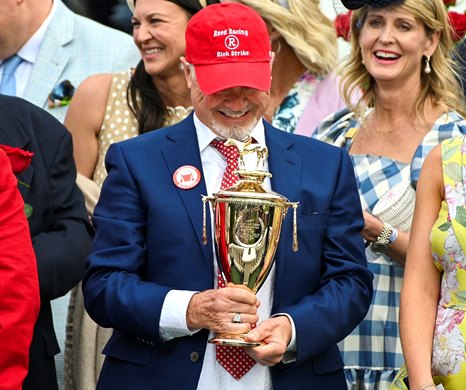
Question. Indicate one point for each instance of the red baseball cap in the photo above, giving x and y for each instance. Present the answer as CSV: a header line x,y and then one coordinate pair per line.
x,y
229,46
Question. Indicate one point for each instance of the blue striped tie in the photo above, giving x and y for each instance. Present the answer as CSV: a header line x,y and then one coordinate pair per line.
x,y
8,82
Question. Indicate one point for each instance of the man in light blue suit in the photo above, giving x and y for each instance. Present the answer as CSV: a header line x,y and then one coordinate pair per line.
x,y
55,45
150,277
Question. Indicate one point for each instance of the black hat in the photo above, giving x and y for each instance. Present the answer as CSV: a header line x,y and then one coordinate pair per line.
x,y
355,4
192,6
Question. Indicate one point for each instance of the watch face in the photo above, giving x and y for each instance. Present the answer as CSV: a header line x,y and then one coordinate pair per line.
x,y
379,248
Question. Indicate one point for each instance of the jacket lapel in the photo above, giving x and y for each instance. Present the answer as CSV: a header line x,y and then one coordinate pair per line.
x,y
285,167
52,59
183,150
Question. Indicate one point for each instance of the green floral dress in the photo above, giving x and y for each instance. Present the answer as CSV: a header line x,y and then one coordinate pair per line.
x,y
448,241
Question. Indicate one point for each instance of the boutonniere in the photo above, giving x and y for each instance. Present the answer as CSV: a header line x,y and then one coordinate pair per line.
x,y
61,94
19,159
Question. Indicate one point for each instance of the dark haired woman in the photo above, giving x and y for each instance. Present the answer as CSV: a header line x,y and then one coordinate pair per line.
x,y
108,108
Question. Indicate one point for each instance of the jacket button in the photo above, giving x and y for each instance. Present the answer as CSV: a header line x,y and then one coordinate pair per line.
x,y
194,357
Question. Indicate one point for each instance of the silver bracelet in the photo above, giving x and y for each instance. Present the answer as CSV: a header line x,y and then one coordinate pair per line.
x,y
426,386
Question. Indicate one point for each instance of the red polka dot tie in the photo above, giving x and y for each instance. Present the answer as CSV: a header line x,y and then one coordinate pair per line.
x,y
231,154
233,359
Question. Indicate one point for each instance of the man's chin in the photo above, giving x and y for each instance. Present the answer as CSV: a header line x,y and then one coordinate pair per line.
x,y
237,132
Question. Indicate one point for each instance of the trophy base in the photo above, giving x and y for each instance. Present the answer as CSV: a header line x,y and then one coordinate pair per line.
x,y
233,340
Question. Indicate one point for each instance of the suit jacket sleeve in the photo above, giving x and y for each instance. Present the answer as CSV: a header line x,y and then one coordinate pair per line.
x,y
115,294
19,285
59,224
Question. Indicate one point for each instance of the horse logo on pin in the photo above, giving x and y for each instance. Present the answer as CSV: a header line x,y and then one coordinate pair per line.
x,y
186,177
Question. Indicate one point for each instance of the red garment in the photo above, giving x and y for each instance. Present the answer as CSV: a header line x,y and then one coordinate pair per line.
x,y
19,285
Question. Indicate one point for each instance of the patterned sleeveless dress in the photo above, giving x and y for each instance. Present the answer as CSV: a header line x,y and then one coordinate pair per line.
x,y
448,241
372,352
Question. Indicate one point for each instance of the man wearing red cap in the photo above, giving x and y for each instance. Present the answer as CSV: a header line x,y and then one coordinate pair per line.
x,y
150,277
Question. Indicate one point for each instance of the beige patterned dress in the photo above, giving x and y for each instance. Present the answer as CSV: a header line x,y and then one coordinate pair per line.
x,y
119,123
84,338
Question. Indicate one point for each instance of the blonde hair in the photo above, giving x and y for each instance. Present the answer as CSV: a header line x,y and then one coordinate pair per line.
x,y
441,85
305,28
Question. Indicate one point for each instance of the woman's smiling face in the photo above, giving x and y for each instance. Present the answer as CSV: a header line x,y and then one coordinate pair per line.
x,y
393,43
158,32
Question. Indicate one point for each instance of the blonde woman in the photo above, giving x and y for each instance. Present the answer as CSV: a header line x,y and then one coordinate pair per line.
x,y
400,56
304,89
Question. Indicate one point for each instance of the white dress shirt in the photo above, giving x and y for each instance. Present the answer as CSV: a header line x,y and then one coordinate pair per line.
x,y
29,52
173,315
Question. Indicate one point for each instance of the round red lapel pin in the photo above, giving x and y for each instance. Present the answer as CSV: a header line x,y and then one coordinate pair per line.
x,y
186,177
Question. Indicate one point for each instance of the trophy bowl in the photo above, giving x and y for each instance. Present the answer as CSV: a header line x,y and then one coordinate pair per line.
x,y
247,225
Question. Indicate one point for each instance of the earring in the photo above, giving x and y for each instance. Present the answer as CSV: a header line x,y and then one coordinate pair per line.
x,y
181,66
279,46
427,68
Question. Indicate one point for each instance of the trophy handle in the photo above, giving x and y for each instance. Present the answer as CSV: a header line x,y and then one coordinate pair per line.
x,y
295,224
205,199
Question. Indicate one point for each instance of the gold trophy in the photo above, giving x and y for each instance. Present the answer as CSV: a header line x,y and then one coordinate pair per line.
x,y
247,225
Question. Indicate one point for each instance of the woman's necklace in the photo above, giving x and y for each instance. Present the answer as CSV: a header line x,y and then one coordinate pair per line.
x,y
391,130
384,130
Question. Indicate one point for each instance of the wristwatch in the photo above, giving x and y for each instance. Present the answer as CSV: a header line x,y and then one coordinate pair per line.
x,y
380,246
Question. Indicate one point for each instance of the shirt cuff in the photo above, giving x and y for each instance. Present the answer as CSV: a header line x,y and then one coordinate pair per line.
x,y
173,315
290,354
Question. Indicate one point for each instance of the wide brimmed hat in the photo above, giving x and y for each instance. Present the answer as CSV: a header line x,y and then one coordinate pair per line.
x,y
229,46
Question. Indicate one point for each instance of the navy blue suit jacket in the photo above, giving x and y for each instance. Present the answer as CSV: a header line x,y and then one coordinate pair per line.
x,y
60,230
148,241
